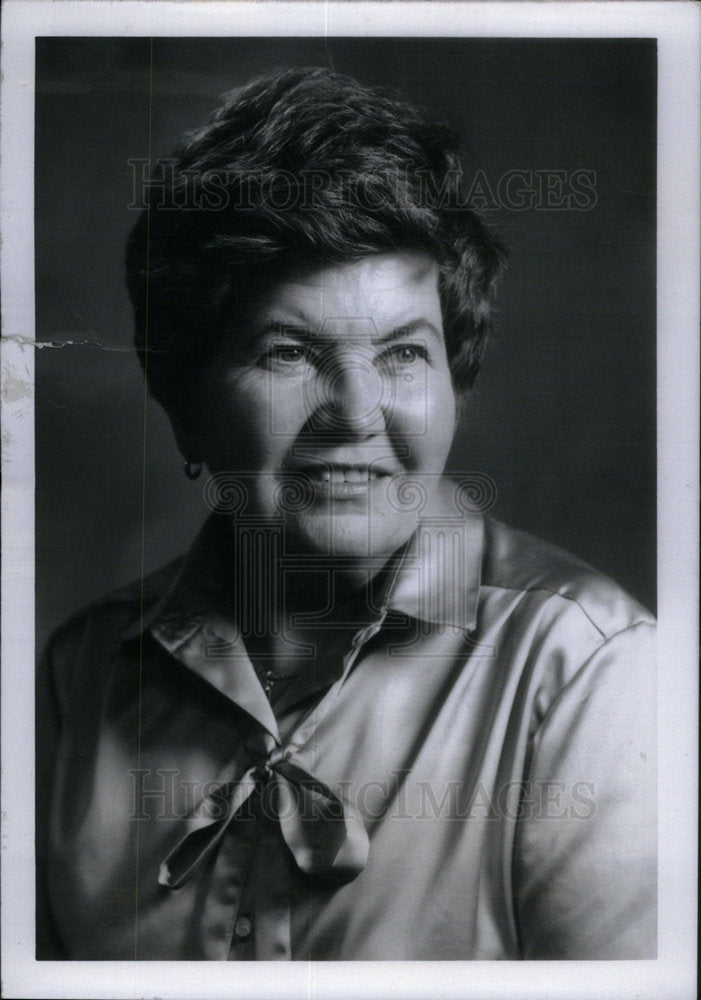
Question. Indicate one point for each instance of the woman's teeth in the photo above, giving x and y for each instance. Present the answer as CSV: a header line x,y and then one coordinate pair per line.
x,y
343,475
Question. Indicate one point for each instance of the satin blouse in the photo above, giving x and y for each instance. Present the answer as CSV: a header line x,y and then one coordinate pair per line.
x,y
470,775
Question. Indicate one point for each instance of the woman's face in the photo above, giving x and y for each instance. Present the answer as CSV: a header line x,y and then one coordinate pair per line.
x,y
338,384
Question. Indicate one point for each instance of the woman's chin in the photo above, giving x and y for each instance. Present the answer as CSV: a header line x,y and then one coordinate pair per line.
x,y
348,536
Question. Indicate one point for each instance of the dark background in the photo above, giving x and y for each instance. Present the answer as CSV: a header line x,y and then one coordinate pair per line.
x,y
563,414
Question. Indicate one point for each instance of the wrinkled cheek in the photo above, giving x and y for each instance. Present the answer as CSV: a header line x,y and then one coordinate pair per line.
x,y
442,415
287,409
424,426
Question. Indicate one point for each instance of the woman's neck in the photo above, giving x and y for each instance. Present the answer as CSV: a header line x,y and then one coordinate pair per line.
x,y
308,615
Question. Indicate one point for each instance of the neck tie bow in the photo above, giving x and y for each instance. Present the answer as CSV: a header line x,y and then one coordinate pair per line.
x,y
326,836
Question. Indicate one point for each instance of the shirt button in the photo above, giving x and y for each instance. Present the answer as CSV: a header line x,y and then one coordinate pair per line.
x,y
243,928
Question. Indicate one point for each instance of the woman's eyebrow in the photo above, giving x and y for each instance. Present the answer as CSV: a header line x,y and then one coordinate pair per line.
x,y
279,329
274,326
306,333
418,325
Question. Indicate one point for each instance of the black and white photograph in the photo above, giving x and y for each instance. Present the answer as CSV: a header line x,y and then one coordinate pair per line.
x,y
347,402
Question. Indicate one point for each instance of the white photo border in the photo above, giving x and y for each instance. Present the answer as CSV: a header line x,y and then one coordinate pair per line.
x,y
676,26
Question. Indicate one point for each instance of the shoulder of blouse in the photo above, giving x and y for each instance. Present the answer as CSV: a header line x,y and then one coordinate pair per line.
x,y
516,560
111,617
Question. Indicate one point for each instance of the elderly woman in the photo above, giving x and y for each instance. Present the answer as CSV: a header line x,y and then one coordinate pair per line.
x,y
360,719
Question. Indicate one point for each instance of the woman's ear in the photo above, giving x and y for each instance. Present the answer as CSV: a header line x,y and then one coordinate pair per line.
x,y
190,449
188,442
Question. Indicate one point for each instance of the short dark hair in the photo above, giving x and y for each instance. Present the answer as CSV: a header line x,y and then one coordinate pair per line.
x,y
301,167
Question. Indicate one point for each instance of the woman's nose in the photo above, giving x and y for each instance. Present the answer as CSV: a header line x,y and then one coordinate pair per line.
x,y
354,395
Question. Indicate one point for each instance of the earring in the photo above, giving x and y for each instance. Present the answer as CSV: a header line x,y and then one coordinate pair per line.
x,y
192,469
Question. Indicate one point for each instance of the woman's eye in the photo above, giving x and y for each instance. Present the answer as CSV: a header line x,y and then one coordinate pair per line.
x,y
406,354
285,356
289,354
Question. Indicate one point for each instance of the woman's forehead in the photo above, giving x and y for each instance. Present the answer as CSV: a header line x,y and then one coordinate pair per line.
x,y
389,269
386,288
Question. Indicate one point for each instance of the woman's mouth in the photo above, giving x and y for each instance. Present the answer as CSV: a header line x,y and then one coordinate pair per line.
x,y
342,481
342,475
